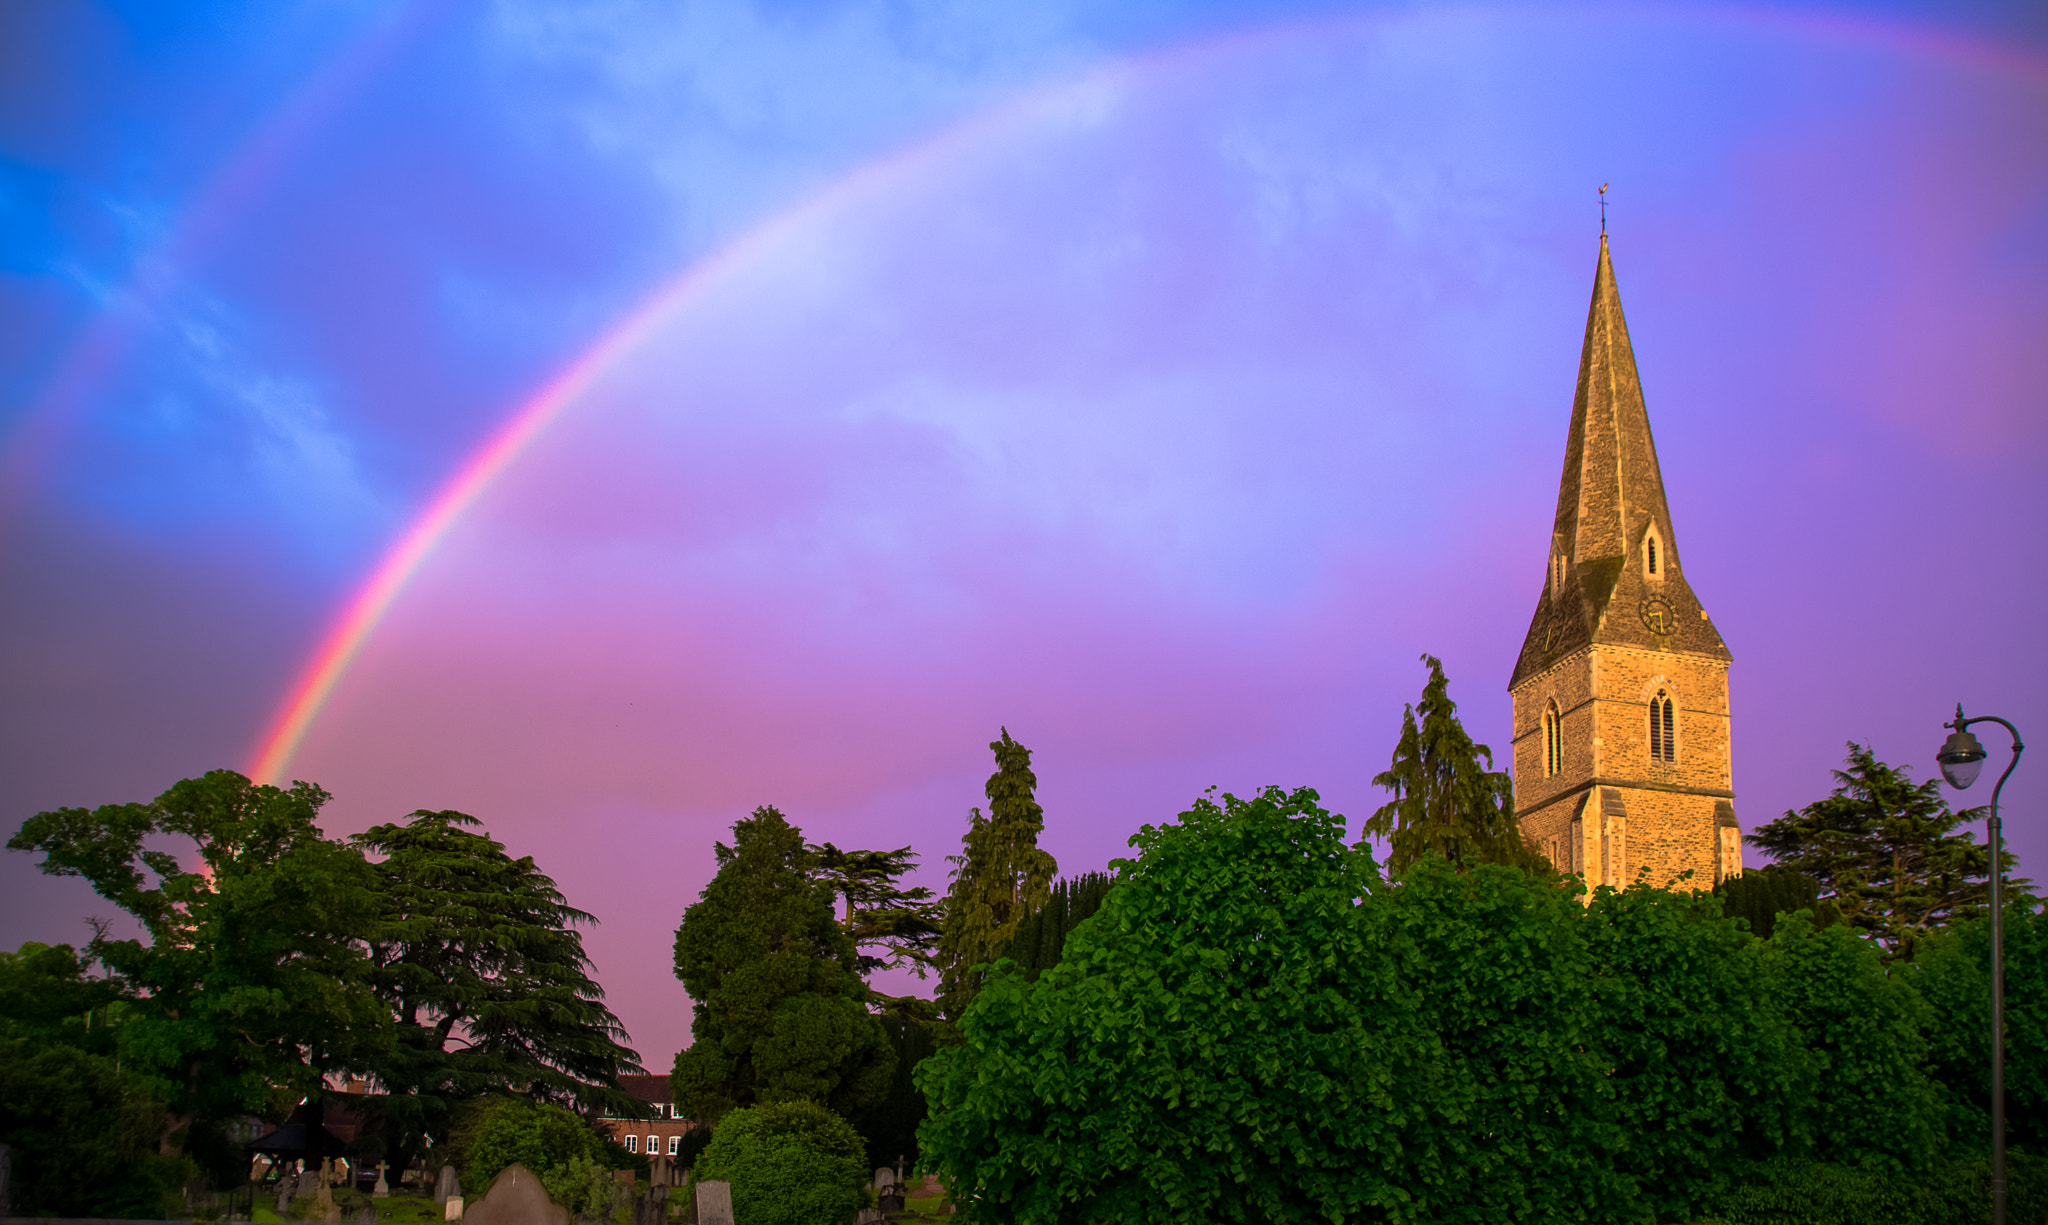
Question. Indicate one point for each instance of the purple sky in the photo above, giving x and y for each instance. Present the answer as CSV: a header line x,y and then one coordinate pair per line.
x,y
1159,386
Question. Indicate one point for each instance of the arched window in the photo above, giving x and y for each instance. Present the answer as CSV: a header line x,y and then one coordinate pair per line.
x,y
1663,741
1553,741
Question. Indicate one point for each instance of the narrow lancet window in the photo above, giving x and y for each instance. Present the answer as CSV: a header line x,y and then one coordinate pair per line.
x,y
1653,555
1553,741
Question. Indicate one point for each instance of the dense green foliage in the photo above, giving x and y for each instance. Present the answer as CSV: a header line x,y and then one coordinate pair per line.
x,y
1813,1193
1952,972
999,876
252,984
780,1009
1042,935
1258,1025
890,1125
1760,895
789,1163
83,1134
476,958
1445,802
543,1137
1884,851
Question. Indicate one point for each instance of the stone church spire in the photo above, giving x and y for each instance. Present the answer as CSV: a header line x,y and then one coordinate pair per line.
x,y
1614,576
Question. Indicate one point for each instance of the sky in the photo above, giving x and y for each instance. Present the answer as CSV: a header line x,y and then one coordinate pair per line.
x,y
606,418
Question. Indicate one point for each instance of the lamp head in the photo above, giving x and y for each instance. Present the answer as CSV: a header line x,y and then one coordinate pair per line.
x,y
1961,755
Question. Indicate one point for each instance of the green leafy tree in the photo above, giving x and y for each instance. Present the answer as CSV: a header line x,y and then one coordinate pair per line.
x,y
1237,1036
780,1006
545,1138
1445,802
1884,850
1000,875
82,1133
252,984
1257,1026
789,1163
1760,895
900,925
1042,935
1952,972
477,959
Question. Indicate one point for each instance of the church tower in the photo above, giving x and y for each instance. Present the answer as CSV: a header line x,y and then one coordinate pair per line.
x,y
1621,758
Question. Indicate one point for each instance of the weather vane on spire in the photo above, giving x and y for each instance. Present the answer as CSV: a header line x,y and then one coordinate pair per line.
x,y
1603,210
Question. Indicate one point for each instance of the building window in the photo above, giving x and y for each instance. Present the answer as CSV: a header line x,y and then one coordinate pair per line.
x,y
1553,741
675,1145
632,1144
653,1145
659,1109
1663,741
1653,555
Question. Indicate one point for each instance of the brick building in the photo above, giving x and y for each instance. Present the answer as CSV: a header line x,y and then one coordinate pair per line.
x,y
660,1136
1621,752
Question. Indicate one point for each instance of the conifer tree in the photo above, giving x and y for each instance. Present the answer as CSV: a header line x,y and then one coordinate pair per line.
x,y
1445,801
1882,849
1042,936
781,1009
901,925
1000,875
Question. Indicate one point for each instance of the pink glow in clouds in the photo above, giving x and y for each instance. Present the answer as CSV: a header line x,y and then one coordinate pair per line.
x,y
1169,417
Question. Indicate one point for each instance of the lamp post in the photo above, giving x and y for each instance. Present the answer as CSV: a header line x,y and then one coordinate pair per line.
x,y
1961,757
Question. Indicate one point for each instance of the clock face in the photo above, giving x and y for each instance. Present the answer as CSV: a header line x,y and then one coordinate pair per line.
x,y
1657,615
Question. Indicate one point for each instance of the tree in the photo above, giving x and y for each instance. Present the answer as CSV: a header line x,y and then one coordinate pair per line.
x,y
253,983
82,1133
1257,1026
476,957
880,913
1000,875
1444,801
1760,895
1042,936
1250,1030
789,1163
1882,849
543,1137
780,1006
1951,970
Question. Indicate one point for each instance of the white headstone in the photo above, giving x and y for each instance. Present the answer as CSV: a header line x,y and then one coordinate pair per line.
x,y
446,1184
382,1189
714,1203
452,1210
885,1178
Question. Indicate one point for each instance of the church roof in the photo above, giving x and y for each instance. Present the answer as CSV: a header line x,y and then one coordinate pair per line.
x,y
1610,508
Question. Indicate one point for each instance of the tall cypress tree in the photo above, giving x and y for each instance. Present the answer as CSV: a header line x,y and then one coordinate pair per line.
x,y
780,1006
1042,936
1000,875
1445,802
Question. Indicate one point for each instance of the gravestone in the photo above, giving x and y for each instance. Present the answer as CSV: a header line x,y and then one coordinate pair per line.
x,y
885,1178
516,1197
383,1189
714,1203
287,1185
325,1210
446,1184
452,1210
368,1216
308,1182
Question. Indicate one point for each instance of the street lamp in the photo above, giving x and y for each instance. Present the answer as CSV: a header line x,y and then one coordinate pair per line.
x,y
1961,758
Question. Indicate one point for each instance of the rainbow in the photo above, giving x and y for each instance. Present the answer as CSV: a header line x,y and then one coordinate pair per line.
x,y
364,611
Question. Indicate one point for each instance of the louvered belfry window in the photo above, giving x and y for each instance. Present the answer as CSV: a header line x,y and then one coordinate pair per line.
x,y
1663,743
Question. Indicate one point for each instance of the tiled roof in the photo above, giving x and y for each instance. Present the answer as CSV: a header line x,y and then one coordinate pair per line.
x,y
645,1088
